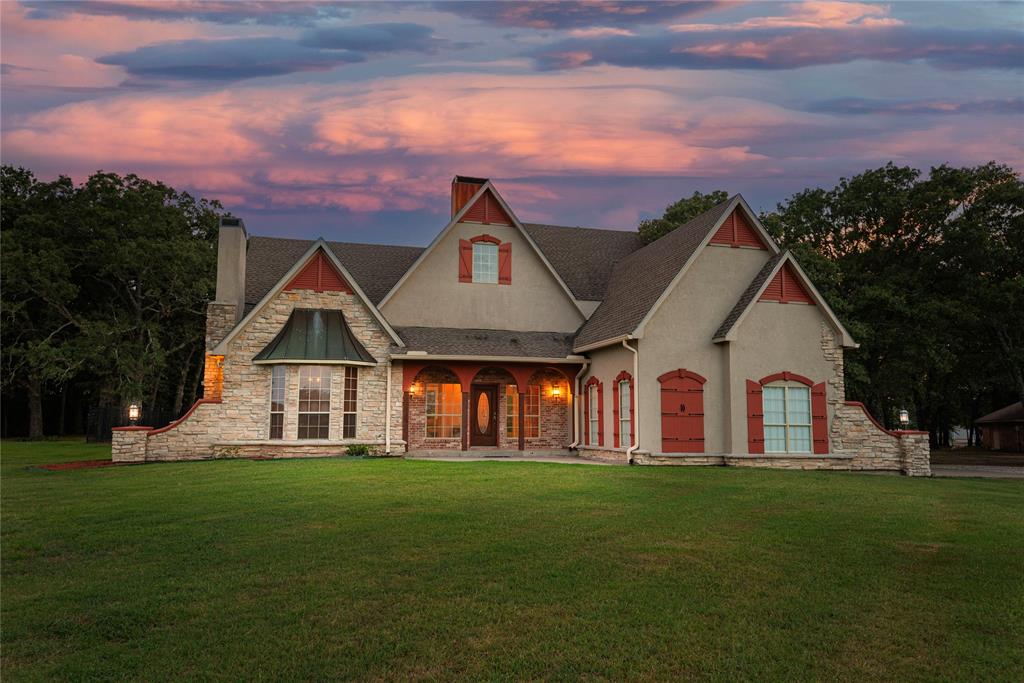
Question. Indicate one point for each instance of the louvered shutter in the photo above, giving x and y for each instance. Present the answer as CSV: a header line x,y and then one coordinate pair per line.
x,y
755,418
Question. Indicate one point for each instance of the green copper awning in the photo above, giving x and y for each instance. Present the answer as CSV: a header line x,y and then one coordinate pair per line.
x,y
315,335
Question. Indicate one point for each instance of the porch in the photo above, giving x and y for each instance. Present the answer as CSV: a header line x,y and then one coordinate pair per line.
x,y
487,407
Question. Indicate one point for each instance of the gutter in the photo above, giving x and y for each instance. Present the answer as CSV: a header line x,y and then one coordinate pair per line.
x,y
414,356
575,412
387,409
636,402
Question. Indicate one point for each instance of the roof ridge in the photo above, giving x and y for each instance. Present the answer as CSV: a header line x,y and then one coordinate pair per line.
x,y
581,227
328,241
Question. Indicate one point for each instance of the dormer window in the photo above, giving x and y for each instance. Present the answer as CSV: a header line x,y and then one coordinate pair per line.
x,y
485,262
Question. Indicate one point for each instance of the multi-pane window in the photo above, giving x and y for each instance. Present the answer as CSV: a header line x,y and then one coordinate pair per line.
x,y
592,409
787,419
314,402
444,411
531,411
348,403
277,402
625,415
485,262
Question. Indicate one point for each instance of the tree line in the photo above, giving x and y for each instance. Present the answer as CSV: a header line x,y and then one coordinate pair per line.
x,y
103,292
926,272
104,287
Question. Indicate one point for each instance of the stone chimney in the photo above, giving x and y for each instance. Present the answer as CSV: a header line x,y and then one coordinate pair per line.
x,y
463,188
228,306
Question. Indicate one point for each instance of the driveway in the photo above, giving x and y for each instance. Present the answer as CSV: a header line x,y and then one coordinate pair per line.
x,y
983,471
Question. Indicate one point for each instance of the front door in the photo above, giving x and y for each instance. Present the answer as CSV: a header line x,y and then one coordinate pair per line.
x,y
483,422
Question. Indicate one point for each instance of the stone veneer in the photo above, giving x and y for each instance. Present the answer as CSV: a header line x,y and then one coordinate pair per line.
x,y
237,423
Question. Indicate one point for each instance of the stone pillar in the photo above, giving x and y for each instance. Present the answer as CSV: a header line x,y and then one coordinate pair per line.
x,y
915,453
220,319
129,444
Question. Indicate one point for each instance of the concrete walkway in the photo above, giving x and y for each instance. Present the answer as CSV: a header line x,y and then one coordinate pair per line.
x,y
502,456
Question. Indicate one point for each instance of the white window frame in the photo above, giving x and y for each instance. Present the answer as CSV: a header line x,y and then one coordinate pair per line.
x,y
485,263
453,428
323,372
790,421
625,414
278,392
349,402
593,428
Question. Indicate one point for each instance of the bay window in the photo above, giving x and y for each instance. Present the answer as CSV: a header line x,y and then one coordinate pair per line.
x,y
349,402
277,378
314,402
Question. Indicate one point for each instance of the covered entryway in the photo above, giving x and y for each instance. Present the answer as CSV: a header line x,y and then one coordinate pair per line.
x,y
682,412
484,419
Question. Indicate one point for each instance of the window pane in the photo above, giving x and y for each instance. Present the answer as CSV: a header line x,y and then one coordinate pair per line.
x,y
799,439
798,406
594,417
511,411
314,402
277,389
774,405
774,439
485,262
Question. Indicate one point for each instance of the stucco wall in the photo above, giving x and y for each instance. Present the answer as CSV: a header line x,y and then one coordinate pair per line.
x,y
432,296
679,336
605,364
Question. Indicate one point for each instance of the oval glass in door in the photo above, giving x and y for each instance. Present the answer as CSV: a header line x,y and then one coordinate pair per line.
x,y
483,413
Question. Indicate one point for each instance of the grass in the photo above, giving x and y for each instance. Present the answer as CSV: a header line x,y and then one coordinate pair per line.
x,y
399,570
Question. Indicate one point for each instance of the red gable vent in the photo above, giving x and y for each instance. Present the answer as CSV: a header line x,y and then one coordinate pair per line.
x,y
320,276
737,231
786,288
487,210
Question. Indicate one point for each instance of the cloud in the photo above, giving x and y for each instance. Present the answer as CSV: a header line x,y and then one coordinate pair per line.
x,y
214,11
577,14
858,105
792,48
393,37
227,59
809,15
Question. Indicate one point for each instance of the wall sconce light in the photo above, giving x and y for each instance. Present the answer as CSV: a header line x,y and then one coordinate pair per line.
x,y
134,412
413,389
556,391
904,417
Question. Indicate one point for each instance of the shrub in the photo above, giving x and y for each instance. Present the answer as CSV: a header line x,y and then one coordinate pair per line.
x,y
358,449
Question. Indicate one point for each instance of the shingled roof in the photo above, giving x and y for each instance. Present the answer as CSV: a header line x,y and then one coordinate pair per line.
x,y
640,279
449,341
584,257
748,295
375,267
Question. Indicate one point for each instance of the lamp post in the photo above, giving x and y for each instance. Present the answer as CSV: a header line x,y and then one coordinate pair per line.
x,y
134,413
904,418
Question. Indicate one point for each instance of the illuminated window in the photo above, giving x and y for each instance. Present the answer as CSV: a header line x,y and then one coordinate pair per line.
x,y
444,411
348,404
277,402
531,413
787,419
314,402
485,262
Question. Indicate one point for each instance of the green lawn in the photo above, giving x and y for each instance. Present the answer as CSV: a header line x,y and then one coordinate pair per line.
x,y
388,569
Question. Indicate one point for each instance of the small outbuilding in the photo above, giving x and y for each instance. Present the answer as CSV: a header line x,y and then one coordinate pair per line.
x,y
1003,430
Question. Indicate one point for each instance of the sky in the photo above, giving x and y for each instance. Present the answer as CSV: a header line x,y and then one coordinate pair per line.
x,y
348,120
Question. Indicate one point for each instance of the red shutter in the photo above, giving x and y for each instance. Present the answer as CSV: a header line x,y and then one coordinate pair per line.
x,y
615,413
465,261
755,418
819,418
600,414
505,263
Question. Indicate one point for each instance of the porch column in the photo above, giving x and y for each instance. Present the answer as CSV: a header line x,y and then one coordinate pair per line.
x,y
465,420
522,420
405,418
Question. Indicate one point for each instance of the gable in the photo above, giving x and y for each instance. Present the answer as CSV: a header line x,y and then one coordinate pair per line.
x,y
786,288
736,231
487,210
319,275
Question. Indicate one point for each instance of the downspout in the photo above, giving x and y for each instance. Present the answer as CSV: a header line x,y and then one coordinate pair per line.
x,y
387,410
636,402
575,411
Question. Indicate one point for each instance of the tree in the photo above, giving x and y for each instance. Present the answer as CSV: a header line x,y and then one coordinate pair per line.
x,y
106,281
678,213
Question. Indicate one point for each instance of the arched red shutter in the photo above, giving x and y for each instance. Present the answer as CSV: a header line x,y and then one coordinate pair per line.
x,y
505,263
755,418
465,261
819,418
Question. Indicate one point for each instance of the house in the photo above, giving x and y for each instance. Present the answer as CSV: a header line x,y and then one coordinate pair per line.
x,y
709,346
1003,429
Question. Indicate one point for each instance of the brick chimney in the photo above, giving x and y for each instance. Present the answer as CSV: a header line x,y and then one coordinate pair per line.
x,y
463,188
